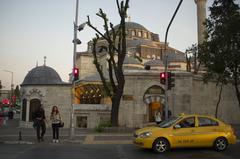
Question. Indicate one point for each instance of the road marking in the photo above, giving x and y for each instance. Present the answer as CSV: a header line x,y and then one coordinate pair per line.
x,y
90,140
19,142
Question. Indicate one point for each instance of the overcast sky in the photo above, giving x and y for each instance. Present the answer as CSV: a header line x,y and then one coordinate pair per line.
x,y
32,29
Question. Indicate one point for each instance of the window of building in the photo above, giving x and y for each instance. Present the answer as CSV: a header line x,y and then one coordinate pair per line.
x,y
139,33
145,35
82,121
202,121
133,33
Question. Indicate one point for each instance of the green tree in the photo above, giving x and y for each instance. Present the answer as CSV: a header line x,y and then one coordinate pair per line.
x,y
220,51
116,41
17,92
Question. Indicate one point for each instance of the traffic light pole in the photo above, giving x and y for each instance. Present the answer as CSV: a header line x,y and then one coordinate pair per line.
x,y
72,128
166,88
166,63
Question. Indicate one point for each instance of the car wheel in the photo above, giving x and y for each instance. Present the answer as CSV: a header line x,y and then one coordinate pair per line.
x,y
160,145
220,144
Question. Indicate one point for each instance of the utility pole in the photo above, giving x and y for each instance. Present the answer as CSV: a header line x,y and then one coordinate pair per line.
x,y
75,24
166,62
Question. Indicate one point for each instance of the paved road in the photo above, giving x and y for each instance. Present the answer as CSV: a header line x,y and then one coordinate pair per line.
x,y
92,145
128,151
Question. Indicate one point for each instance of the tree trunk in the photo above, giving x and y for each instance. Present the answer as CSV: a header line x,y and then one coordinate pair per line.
x,y
237,91
115,109
219,99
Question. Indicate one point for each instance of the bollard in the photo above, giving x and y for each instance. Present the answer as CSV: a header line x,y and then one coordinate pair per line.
x,y
20,135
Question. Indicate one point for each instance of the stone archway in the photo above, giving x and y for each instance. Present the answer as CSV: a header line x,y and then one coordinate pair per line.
x,y
154,100
34,105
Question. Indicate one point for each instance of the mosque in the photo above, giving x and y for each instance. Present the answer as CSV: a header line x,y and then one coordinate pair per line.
x,y
143,92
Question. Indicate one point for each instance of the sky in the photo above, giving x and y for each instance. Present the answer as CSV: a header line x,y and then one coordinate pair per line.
x,y
32,29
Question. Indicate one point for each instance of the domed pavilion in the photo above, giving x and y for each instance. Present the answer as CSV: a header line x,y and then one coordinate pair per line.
x,y
43,86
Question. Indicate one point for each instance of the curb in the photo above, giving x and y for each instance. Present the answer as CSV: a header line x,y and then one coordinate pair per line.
x,y
18,142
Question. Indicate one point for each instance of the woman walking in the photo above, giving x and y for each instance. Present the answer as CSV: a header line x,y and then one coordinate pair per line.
x,y
56,121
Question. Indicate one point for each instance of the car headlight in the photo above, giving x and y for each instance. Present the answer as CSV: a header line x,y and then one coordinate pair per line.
x,y
145,134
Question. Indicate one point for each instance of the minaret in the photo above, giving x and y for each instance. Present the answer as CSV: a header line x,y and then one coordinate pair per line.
x,y
201,16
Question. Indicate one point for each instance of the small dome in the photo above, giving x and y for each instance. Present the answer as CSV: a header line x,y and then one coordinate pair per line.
x,y
42,75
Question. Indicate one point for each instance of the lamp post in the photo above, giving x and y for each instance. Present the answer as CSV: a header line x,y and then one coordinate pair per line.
x,y
166,58
11,83
76,41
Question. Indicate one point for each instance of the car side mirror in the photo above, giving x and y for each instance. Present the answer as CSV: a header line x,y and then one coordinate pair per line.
x,y
177,126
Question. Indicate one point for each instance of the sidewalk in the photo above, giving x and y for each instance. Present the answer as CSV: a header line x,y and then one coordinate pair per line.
x,y
12,134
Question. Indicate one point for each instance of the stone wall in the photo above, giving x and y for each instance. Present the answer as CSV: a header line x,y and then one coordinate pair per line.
x,y
190,95
49,96
94,114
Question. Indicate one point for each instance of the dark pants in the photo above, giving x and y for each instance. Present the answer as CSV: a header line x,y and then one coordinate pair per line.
x,y
40,126
55,128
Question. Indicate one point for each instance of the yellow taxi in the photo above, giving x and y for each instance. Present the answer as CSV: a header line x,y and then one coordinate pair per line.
x,y
186,131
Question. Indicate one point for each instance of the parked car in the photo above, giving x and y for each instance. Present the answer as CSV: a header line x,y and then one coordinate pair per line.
x,y
186,131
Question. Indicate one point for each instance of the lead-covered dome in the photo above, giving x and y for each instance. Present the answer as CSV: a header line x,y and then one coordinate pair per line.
x,y
42,75
132,25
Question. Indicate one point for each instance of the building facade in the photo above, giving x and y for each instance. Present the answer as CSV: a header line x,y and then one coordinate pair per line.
x,y
143,94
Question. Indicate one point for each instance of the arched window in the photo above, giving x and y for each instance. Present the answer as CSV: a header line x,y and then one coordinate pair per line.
x,y
24,107
133,33
34,105
145,35
139,33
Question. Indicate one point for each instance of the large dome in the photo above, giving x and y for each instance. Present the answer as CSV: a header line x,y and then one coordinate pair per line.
x,y
42,75
132,25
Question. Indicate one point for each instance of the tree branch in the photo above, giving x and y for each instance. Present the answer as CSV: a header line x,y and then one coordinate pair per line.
x,y
98,67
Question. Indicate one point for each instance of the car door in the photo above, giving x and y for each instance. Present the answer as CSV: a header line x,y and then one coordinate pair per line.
x,y
183,131
207,131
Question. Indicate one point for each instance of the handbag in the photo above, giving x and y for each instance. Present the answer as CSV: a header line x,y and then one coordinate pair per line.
x,y
61,124
34,124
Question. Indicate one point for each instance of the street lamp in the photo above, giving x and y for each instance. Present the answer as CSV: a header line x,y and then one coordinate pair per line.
x,y
76,41
11,82
166,59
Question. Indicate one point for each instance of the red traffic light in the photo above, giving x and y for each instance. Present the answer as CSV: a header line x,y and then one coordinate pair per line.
x,y
163,77
75,73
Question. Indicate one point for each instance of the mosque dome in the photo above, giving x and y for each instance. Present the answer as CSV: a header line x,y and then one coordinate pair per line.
x,y
132,25
42,75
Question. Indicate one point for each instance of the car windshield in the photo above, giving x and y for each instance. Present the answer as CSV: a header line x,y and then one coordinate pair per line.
x,y
169,122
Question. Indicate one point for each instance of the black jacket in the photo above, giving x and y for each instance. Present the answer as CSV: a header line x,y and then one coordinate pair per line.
x,y
39,114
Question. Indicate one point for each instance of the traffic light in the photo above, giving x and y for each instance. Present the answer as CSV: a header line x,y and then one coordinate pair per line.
x,y
163,78
75,74
171,80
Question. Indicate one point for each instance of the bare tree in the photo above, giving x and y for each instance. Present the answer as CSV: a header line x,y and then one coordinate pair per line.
x,y
116,41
